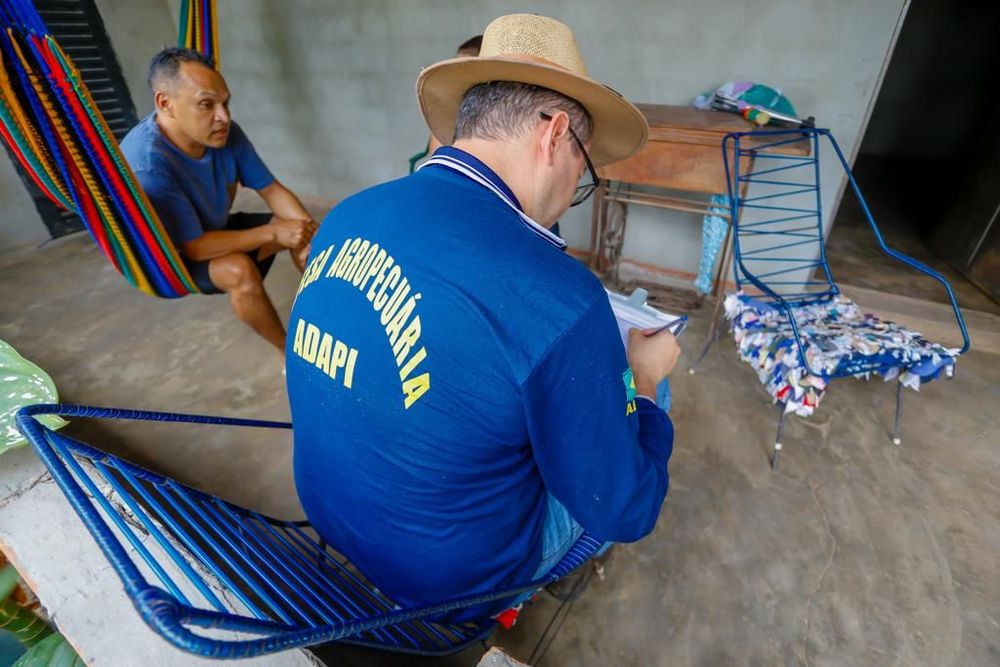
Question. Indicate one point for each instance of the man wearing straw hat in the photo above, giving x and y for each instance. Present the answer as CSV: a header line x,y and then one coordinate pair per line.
x,y
463,407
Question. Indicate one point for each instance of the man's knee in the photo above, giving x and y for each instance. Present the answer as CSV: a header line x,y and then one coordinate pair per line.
x,y
235,272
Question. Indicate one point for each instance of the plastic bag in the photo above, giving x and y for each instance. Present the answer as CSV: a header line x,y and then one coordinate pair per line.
x,y
22,383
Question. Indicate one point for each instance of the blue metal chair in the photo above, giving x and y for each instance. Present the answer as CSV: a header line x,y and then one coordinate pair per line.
x,y
222,581
789,318
417,157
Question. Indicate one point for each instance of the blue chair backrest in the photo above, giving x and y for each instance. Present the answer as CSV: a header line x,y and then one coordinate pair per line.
x,y
773,181
776,209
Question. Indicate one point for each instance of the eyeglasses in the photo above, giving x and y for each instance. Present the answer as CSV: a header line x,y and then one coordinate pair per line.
x,y
584,190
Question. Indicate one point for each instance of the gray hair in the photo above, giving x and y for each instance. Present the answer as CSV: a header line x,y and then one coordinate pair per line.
x,y
504,109
165,65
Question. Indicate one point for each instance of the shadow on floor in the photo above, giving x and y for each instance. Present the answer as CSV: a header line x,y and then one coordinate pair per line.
x,y
342,655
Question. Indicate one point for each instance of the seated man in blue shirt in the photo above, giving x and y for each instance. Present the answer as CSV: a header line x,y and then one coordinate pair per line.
x,y
463,406
189,156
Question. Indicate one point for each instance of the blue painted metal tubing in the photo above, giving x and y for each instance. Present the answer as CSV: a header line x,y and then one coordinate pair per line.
x,y
909,261
328,601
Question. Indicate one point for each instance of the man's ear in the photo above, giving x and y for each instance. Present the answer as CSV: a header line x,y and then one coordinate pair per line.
x,y
162,103
553,132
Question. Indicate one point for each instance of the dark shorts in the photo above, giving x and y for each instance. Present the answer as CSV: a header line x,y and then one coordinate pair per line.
x,y
236,222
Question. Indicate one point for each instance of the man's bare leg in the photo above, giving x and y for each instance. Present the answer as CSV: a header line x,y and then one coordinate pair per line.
x,y
237,275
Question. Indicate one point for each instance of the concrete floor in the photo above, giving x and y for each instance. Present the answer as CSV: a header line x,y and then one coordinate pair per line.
x,y
855,552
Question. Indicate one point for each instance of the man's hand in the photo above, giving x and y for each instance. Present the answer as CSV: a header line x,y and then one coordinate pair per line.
x,y
300,256
292,233
651,358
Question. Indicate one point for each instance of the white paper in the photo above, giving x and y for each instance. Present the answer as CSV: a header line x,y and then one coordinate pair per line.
x,y
633,313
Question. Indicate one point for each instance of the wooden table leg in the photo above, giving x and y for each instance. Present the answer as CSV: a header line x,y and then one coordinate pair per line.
x,y
597,222
719,291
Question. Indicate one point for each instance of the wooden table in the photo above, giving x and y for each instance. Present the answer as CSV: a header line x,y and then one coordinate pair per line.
x,y
683,154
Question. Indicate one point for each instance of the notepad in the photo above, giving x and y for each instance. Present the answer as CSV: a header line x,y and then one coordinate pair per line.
x,y
632,312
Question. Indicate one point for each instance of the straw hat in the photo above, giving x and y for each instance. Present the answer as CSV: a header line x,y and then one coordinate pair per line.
x,y
526,48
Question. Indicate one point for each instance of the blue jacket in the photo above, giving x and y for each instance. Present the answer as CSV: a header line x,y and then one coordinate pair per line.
x,y
448,367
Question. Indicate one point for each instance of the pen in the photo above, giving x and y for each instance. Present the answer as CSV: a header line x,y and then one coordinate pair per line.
x,y
676,326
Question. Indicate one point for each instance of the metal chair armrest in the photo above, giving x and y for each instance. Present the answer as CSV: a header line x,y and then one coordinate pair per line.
x,y
895,254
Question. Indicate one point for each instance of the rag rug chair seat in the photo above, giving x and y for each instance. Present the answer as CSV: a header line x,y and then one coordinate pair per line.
x,y
839,339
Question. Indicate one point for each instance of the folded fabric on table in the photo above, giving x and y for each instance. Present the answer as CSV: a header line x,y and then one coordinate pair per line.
x,y
837,338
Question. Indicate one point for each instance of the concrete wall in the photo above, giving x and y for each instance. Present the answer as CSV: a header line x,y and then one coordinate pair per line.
x,y
20,224
138,28
325,89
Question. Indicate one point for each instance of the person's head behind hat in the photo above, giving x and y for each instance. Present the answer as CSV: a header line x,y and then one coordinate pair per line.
x,y
541,53
470,47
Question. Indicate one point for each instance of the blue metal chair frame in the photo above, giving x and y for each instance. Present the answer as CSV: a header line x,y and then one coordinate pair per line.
x,y
796,230
268,585
811,233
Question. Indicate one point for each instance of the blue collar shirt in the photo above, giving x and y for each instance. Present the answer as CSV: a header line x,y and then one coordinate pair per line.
x,y
450,366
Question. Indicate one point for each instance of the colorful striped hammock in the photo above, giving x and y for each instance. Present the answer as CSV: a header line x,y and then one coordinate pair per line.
x,y
199,28
55,131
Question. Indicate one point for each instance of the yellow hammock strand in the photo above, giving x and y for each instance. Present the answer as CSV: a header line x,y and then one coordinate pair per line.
x,y
37,164
27,130
214,26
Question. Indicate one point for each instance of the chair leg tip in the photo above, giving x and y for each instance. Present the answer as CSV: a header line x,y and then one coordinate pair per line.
x,y
775,455
691,371
897,441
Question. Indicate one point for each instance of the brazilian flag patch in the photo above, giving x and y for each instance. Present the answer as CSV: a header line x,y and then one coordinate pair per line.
x,y
629,381
629,385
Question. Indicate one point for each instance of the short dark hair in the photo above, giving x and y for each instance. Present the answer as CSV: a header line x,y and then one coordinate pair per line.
x,y
471,44
167,62
503,109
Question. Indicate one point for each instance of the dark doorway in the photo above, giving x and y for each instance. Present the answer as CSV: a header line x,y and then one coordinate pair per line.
x,y
929,164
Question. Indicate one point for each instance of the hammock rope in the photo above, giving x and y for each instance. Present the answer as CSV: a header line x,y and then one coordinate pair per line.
x,y
199,28
55,131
